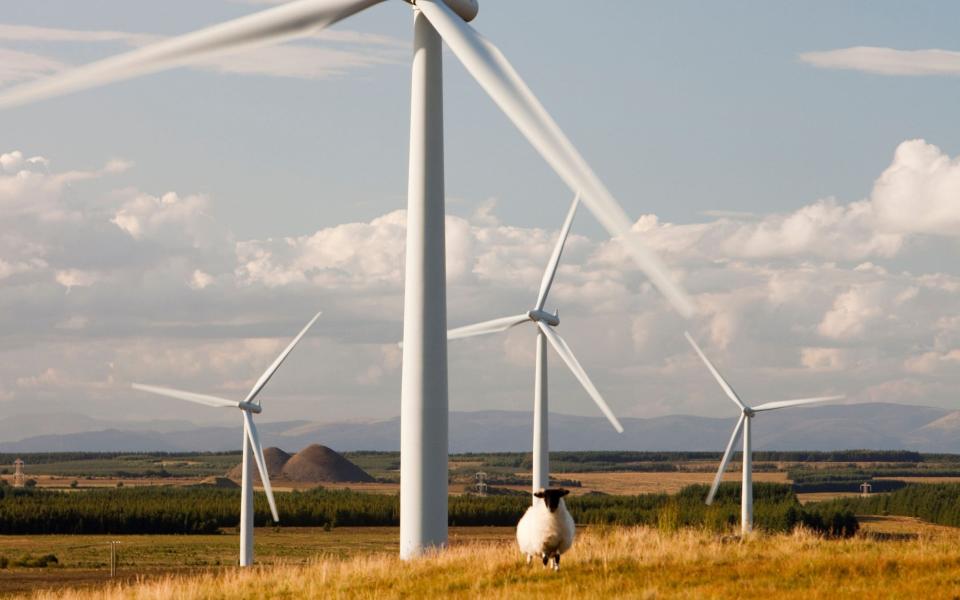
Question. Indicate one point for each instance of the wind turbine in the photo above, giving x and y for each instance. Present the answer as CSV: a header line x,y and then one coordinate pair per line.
x,y
424,409
747,413
251,442
545,322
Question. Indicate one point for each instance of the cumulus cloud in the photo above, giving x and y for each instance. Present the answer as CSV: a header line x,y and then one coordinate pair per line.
x,y
167,216
360,254
919,192
852,312
819,358
809,300
887,61
916,194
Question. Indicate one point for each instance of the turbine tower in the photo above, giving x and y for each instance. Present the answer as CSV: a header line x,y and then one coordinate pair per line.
x,y
251,442
424,407
545,322
747,413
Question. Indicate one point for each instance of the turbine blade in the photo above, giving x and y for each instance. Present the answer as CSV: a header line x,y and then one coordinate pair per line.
x,y
188,396
725,460
254,437
551,269
560,345
497,77
492,326
786,403
268,26
279,361
716,374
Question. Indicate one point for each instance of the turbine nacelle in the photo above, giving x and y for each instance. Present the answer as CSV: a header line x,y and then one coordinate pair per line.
x,y
250,407
541,316
465,9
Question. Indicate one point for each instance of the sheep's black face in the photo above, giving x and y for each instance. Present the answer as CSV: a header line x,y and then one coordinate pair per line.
x,y
551,496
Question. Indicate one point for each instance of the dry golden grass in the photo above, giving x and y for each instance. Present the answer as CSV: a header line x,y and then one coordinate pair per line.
x,y
604,563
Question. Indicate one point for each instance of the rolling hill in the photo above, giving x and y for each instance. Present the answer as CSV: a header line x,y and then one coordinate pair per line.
x,y
845,426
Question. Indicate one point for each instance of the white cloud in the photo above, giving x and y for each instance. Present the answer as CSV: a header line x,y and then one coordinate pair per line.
x,y
887,61
168,217
199,280
808,300
356,254
919,192
827,359
931,362
916,194
71,278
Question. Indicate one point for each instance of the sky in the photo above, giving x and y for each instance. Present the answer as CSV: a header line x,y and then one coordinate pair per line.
x,y
793,163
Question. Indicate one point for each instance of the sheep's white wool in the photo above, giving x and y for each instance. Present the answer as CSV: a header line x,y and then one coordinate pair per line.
x,y
544,533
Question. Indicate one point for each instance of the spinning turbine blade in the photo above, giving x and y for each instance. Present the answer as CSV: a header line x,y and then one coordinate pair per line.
x,y
279,361
786,403
497,77
251,431
188,396
551,270
560,345
716,374
268,26
492,326
726,459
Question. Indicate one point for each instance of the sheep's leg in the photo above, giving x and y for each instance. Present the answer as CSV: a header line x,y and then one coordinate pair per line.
x,y
529,558
546,559
556,562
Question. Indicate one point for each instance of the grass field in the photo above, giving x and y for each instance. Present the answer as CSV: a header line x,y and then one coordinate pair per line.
x,y
84,559
604,563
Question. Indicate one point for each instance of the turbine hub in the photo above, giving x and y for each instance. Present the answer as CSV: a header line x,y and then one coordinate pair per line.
x,y
250,407
544,316
465,9
749,412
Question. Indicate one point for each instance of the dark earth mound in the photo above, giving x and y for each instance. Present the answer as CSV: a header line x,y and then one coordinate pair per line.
x,y
317,463
276,459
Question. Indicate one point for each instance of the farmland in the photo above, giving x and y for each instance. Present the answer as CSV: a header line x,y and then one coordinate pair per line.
x,y
605,562
651,499
83,560
815,475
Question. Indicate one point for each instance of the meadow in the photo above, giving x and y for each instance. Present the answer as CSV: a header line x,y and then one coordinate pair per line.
x,y
605,562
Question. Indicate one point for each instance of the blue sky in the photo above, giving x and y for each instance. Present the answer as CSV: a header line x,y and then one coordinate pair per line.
x,y
688,111
654,94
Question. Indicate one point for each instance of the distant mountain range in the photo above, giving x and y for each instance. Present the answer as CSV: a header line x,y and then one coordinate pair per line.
x,y
848,426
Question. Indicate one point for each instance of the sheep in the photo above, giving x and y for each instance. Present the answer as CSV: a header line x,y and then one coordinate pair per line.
x,y
546,529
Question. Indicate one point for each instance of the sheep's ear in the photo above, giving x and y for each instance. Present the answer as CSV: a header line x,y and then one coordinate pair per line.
x,y
538,494
564,493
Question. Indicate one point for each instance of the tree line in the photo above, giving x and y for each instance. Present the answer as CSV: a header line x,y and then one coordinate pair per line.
x,y
170,510
935,503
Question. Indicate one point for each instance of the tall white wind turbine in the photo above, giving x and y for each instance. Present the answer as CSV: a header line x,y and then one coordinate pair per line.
x,y
251,442
747,413
423,406
545,322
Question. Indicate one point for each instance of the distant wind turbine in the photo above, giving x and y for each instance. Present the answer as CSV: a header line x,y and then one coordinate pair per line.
x,y
746,416
251,442
545,323
424,406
